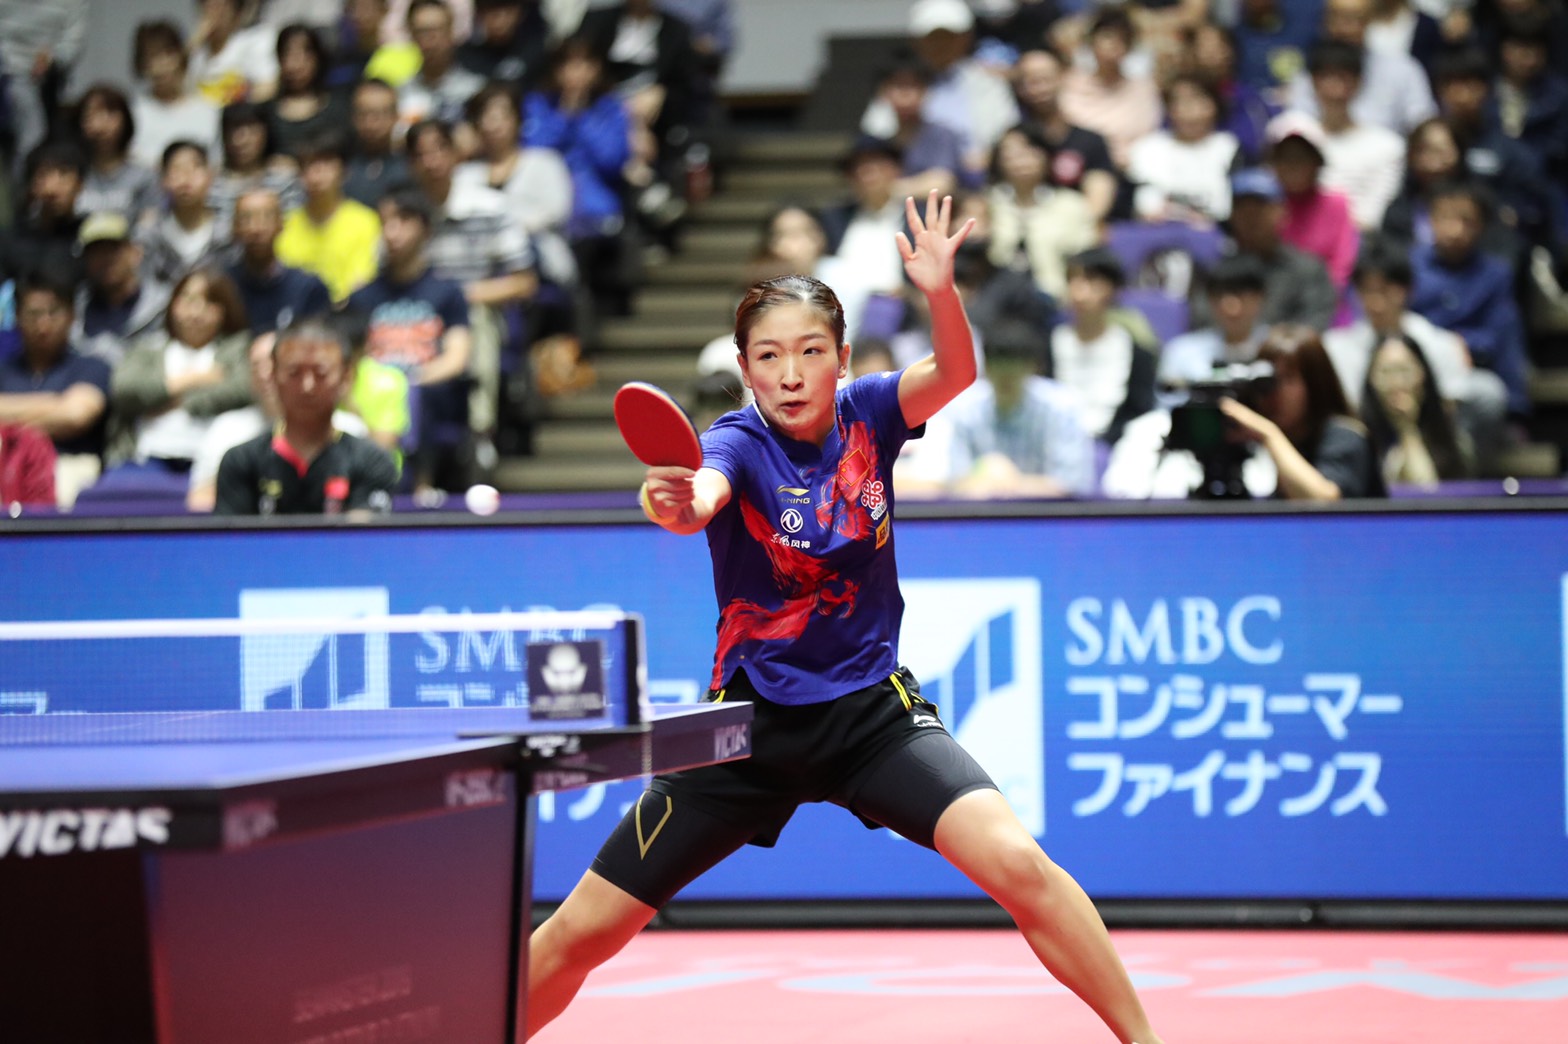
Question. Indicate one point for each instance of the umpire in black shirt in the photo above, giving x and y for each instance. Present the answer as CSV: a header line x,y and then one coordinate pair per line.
x,y
305,466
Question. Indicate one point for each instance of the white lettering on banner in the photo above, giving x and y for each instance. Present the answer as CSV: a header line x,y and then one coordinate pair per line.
x,y
50,832
731,741
475,788
1202,640
249,822
1253,773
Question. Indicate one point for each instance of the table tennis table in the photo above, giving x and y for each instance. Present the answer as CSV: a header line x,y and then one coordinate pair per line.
x,y
302,876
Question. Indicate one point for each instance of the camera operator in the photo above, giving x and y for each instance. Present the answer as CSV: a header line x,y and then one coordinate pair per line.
x,y
1278,427
1320,451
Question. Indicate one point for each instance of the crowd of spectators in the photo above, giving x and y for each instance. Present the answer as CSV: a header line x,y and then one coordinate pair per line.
x,y
1368,196
453,183
1165,192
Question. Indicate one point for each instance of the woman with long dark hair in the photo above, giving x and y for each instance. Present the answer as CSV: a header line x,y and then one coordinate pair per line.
x,y
304,107
1415,439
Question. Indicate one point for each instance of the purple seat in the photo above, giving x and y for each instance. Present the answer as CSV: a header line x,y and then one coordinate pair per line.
x,y
1164,256
1166,314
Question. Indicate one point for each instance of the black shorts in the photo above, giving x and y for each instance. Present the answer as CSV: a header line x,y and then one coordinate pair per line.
x,y
881,752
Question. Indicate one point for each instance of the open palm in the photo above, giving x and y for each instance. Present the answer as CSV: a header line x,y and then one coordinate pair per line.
x,y
928,261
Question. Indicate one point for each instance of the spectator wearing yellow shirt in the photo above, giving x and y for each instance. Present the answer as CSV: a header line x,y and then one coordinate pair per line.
x,y
332,236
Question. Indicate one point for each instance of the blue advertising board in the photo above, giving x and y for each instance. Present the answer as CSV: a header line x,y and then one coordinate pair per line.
x,y
1351,706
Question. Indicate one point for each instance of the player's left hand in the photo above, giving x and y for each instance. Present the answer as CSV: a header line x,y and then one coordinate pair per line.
x,y
928,261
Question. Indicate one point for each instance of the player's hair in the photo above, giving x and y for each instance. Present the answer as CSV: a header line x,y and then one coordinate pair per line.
x,y
319,329
767,295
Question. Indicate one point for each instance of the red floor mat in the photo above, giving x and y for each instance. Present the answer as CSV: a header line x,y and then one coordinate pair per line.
x,y
953,987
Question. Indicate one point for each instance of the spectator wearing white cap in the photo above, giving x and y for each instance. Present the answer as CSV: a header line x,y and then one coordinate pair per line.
x,y
965,95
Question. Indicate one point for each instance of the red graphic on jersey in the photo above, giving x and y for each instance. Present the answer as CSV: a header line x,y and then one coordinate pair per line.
x,y
809,584
874,496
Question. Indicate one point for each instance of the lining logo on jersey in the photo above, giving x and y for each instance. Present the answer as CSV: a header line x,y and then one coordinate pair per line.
x,y
792,520
794,494
873,498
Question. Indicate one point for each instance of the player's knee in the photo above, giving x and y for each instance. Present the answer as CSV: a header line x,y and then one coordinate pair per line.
x,y
585,937
1021,874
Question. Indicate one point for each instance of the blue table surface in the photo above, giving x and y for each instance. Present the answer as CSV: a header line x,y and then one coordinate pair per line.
x,y
173,751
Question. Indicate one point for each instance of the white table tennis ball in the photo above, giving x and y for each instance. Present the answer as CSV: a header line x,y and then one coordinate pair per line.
x,y
482,499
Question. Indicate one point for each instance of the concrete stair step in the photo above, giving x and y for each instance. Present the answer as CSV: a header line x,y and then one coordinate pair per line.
x,y
597,439
822,148
783,182
1531,460
569,475
657,335
590,404
697,273
673,371
734,243
1549,387
751,208
691,303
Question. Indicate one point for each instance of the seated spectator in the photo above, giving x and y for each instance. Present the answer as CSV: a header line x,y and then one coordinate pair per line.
x,y
115,181
367,52
55,388
1183,173
331,236
509,46
1210,54
964,95
1383,280
1272,37
1526,203
1394,90
1317,221
1107,101
1462,289
577,115
1489,20
233,427
192,233
441,88
1034,227
169,110
117,303
1015,433
419,323
376,163
1110,375
934,155
712,24
1235,288
793,242
1080,158
230,63
249,162
309,466
43,236
172,383
1532,97
860,232
304,108
1320,451
1299,289
1412,434
1365,162
27,461
1298,441
477,243
535,181
1398,26
273,293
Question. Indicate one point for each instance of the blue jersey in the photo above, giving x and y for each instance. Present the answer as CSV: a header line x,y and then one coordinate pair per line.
x,y
803,562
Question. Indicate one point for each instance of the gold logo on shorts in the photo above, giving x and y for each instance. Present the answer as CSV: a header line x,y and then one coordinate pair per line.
x,y
643,846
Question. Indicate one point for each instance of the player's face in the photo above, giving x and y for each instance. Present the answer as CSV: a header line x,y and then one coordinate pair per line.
x,y
792,365
308,376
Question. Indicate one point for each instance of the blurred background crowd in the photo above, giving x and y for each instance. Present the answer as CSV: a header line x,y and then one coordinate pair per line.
x,y
1300,248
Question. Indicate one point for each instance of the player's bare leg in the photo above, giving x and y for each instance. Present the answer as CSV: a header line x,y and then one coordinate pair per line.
x,y
592,925
981,836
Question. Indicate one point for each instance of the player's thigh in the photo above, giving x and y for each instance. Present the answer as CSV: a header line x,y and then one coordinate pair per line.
x,y
912,785
669,838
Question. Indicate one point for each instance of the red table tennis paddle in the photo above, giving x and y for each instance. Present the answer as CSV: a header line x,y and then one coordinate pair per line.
x,y
655,428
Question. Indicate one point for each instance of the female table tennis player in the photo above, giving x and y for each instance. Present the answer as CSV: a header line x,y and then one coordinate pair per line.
x,y
794,493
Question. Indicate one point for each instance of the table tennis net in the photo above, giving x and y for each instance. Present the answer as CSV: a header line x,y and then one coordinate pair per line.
x,y
567,666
